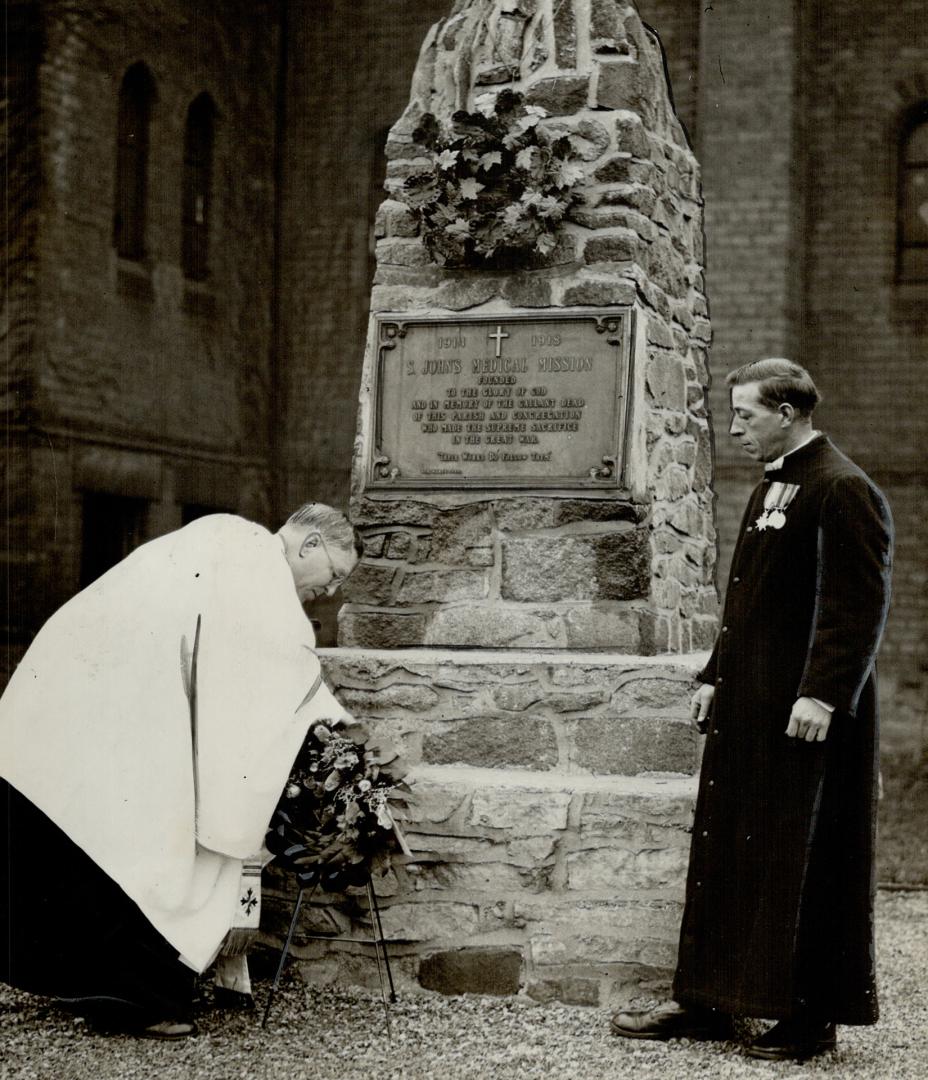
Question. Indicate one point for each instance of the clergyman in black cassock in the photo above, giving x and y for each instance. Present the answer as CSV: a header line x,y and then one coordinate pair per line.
x,y
778,921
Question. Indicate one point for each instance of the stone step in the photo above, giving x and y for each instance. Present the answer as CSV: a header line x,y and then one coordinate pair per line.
x,y
572,884
517,831
589,713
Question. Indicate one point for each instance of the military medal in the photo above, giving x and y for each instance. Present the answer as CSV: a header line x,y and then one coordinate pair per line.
x,y
777,499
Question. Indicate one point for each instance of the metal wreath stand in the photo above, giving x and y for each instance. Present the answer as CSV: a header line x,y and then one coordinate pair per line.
x,y
312,878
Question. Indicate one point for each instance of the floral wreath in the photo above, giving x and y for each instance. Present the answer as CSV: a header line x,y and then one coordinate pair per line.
x,y
342,806
499,184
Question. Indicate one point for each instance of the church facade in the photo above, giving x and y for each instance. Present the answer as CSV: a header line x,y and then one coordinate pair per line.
x,y
193,192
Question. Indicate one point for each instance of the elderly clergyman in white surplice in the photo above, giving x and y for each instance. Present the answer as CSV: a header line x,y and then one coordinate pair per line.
x,y
145,739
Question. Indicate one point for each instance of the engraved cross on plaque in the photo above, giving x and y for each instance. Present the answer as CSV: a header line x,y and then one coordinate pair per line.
x,y
498,337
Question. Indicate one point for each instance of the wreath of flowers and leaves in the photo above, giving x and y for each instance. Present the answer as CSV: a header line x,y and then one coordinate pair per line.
x,y
341,810
499,184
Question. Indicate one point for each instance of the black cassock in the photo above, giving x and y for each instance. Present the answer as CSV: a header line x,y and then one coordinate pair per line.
x,y
780,889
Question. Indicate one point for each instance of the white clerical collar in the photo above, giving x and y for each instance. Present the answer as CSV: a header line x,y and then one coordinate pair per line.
x,y
772,466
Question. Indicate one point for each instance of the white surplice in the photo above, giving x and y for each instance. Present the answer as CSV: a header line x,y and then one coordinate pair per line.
x,y
95,724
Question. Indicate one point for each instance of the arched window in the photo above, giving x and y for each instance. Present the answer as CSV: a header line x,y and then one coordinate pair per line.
x,y
912,230
136,98
198,170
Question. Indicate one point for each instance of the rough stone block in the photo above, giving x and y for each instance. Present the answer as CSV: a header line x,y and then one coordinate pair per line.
x,y
637,197
655,692
414,698
395,219
703,631
370,584
520,810
399,545
530,514
607,29
380,630
631,135
431,921
436,803
465,291
666,381
530,290
601,625
519,697
531,851
458,532
628,745
625,83
396,251
493,742
605,868
444,585
490,879
616,246
560,95
374,545
623,169
565,35
494,627
668,808
606,566
472,971
600,292
687,518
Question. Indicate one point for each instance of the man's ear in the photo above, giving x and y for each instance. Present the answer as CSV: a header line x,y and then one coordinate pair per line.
x,y
310,541
787,412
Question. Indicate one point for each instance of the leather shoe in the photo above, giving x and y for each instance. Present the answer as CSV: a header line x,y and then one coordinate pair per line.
x,y
794,1040
168,1030
672,1021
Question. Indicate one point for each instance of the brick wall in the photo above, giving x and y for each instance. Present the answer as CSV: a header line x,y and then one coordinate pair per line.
x,y
348,79
799,110
21,178
677,22
169,380
865,336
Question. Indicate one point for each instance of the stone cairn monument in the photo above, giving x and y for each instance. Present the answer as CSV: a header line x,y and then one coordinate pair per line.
x,y
532,481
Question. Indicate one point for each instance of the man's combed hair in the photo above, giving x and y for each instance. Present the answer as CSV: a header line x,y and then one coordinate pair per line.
x,y
780,382
334,526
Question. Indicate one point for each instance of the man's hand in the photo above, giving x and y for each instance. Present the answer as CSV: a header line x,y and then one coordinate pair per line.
x,y
808,720
701,704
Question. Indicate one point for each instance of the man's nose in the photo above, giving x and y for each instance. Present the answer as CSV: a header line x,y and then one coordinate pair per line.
x,y
735,428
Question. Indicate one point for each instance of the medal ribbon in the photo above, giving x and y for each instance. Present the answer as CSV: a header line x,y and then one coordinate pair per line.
x,y
777,499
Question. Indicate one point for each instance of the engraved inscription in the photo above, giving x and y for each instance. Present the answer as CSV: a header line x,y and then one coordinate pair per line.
x,y
506,402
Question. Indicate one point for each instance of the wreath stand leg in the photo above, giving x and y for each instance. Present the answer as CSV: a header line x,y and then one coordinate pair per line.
x,y
377,939
380,944
284,951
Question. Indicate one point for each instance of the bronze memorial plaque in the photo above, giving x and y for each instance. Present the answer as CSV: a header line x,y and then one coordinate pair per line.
x,y
515,400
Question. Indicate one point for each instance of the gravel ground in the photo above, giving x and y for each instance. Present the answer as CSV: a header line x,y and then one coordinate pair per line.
x,y
327,1035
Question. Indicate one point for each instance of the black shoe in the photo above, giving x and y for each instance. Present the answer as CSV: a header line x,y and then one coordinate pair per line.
x,y
794,1040
672,1021
224,998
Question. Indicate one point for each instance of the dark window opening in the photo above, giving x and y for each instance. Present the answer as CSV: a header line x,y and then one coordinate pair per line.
x,y
136,98
113,526
912,227
196,197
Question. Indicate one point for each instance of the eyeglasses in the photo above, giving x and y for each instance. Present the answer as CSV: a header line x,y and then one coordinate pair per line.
x,y
337,578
